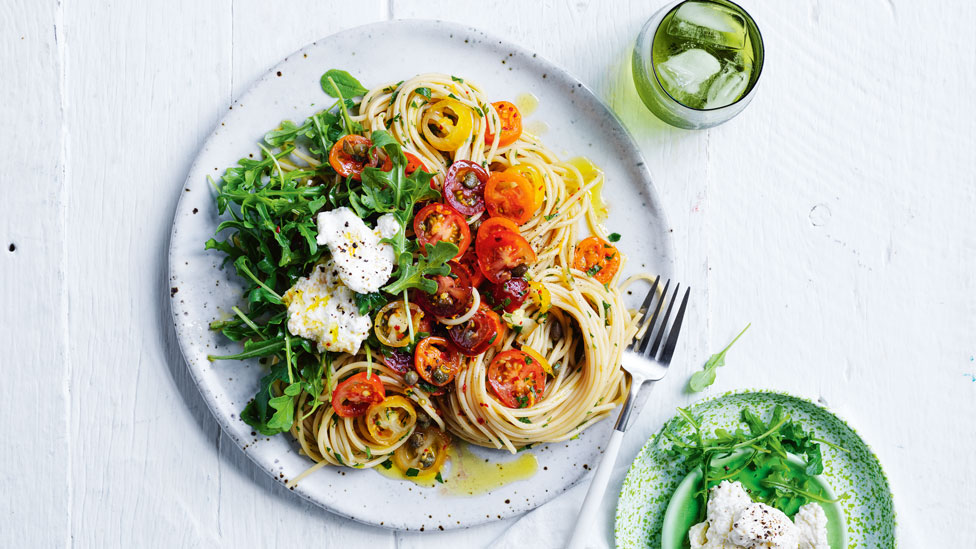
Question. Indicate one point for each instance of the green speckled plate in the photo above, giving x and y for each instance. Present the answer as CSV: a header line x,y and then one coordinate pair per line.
x,y
855,477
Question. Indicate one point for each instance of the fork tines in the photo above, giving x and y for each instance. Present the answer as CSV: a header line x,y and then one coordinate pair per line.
x,y
657,328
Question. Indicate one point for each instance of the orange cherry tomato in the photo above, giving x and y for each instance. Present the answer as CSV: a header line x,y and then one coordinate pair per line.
x,y
511,120
437,360
517,379
501,252
534,177
510,195
436,222
351,155
469,262
477,334
495,224
354,396
597,258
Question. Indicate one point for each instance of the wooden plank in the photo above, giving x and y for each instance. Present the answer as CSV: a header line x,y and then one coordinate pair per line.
x,y
35,509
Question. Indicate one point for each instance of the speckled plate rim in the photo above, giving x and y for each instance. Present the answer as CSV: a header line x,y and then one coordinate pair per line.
x,y
648,447
195,365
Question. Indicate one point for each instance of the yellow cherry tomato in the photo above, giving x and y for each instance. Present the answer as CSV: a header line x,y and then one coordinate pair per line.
x,y
535,355
540,295
423,454
390,420
391,325
534,176
447,124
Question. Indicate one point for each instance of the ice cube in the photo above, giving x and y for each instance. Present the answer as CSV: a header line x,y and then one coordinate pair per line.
x,y
727,87
684,74
709,23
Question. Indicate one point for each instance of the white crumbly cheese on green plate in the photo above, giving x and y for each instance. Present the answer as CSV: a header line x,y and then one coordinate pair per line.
x,y
734,521
322,309
363,262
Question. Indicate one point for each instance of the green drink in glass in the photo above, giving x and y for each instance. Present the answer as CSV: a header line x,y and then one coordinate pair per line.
x,y
696,62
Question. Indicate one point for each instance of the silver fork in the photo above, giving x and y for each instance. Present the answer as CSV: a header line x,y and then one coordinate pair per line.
x,y
645,359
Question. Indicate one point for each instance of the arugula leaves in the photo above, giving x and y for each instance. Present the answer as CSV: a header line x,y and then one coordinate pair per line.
x,y
341,82
704,378
763,450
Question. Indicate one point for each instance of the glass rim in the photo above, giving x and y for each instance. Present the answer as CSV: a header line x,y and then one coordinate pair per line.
x,y
758,73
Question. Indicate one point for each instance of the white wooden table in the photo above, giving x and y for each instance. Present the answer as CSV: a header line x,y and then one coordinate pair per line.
x,y
836,214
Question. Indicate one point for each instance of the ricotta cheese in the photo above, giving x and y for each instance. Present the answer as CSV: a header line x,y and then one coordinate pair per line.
x,y
364,263
321,308
734,521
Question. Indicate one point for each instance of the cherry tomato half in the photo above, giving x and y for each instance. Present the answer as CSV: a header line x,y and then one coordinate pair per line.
x,y
511,120
436,222
469,261
464,187
423,454
447,124
477,334
501,252
390,420
517,379
354,396
437,360
495,224
392,326
351,155
597,258
398,361
510,195
509,295
414,163
452,296
534,177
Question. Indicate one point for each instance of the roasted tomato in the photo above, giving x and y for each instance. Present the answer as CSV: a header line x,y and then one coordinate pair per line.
x,y
534,177
390,420
437,222
495,224
423,454
477,334
541,296
447,124
351,155
508,295
464,187
536,356
597,258
510,195
392,327
398,361
503,254
469,261
453,294
355,395
437,360
517,379
511,120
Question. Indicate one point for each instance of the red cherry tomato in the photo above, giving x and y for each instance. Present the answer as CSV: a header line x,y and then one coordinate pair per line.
x,y
477,334
494,224
511,120
437,361
355,395
351,155
398,361
414,163
464,187
508,194
453,294
509,295
501,252
437,222
517,379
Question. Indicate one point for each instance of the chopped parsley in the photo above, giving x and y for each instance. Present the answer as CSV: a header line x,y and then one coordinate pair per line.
x,y
412,472
614,237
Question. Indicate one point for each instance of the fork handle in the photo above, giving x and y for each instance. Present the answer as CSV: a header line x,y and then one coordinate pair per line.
x,y
594,496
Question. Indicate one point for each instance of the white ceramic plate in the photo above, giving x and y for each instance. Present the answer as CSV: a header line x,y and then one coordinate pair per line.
x,y
379,53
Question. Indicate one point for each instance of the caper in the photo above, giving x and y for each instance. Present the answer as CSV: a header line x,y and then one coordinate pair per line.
x,y
357,152
557,331
417,440
411,377
423,420
520,270
471,180
428,459
439,376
